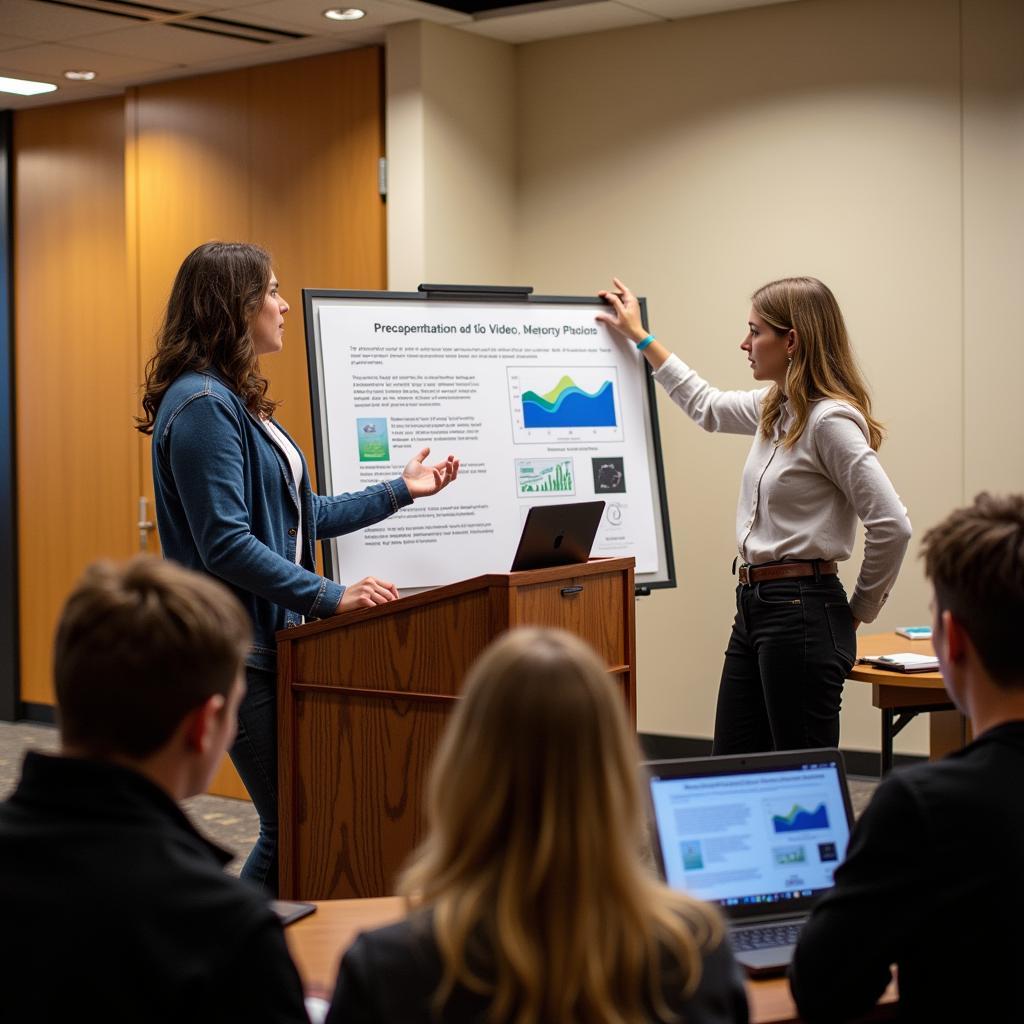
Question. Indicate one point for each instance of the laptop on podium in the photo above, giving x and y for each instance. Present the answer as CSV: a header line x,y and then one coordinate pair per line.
x,y
758,835
557,535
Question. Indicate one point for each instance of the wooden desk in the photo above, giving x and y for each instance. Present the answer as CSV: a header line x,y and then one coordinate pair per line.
x,y
318,941
901,696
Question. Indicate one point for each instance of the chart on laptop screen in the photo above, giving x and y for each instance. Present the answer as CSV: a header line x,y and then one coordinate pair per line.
x,y
749,838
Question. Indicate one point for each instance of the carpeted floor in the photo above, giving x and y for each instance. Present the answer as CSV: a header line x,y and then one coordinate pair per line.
x,y
232,824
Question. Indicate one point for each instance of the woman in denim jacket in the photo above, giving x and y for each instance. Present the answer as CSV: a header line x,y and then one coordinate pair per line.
x,y
233,495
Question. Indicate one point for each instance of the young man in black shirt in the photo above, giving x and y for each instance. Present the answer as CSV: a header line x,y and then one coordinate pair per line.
x,y
112,905
933,879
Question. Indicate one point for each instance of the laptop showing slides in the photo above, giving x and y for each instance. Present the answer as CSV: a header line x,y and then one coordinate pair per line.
x,y
759,835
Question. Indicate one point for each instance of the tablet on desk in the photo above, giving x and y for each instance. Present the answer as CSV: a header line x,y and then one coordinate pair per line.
x,y
557,535
290,910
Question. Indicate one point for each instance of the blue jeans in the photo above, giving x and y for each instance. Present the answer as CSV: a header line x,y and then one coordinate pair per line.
x,y
791,649
254,755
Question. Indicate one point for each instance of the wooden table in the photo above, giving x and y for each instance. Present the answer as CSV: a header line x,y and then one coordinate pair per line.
x,y
901,696
318,941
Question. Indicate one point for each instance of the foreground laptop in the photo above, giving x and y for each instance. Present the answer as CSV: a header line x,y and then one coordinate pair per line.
x,y
760,835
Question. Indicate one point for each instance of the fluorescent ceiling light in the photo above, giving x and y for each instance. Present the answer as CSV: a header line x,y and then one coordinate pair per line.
x,y
344,14
80,76
23,87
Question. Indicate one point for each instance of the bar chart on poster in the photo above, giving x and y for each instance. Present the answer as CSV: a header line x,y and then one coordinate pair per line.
x,y
538,399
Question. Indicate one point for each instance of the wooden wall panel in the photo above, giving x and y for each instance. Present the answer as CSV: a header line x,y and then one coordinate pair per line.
x,y
76,372
315,142
191,179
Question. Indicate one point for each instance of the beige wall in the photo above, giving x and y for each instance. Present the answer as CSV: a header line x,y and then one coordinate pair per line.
x,y
867,142
993,211
451,143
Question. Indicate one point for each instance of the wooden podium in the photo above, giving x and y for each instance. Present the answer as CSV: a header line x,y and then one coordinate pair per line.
x,y
363,699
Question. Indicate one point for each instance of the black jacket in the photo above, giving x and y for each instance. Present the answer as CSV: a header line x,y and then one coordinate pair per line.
x,y
113,908
933,882
389,976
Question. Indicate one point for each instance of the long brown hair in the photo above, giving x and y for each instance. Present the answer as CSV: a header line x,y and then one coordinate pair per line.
x,y
822,364
533,863
217,294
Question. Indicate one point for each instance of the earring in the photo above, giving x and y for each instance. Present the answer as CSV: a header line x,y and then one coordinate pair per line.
x,y
789,360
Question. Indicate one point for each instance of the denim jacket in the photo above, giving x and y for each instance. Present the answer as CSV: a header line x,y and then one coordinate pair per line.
x,y
226,505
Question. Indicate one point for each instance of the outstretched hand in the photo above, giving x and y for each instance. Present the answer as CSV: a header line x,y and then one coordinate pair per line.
x,y
625,316
426,480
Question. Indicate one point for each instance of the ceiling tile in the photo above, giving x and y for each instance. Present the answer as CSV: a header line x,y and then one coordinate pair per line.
x,y
279,52
171,45
673,9
307,16
433,12
44,22
53,59
13,42
559,21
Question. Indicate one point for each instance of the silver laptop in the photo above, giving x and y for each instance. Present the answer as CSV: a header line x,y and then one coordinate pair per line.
x,y
759,835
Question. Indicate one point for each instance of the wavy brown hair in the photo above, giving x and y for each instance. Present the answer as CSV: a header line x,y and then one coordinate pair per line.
x,y
533,865
217,294
822,366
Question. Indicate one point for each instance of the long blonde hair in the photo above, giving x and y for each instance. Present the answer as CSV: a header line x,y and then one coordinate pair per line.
x,y
822,364
533,863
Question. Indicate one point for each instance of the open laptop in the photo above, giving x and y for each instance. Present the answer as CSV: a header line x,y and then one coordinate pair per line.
x,y
760,835
557,535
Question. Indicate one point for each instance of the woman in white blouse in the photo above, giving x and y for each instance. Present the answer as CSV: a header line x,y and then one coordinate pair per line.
x,y
811,473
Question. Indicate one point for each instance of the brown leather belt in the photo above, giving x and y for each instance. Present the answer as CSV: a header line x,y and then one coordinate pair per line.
x,y
784,571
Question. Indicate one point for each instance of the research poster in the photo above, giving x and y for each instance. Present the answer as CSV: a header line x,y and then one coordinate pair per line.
x,y
539,402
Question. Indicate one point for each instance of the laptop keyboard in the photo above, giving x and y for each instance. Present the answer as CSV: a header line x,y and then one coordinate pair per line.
x,y
765,936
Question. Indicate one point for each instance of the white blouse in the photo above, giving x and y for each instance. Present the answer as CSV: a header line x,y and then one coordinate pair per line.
x,y
291,454
803,502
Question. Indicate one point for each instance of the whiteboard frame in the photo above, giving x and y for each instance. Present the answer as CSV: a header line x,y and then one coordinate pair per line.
x,y
663,578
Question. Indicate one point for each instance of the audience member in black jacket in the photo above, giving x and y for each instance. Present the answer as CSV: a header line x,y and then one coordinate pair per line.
x,y
933,877
113,907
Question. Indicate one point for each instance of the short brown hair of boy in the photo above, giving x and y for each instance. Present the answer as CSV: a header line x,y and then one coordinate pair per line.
x,y
975,561
139,645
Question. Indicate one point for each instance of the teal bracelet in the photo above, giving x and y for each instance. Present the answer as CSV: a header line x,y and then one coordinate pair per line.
x,y
643,344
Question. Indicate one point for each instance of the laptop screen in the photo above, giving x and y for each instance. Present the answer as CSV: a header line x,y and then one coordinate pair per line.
x,y
750,834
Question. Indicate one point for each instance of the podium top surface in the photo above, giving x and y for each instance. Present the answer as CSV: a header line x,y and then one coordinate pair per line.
x,y
489,581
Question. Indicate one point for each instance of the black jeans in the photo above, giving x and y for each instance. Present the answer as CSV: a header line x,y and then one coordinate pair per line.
x,y
254,754
791,649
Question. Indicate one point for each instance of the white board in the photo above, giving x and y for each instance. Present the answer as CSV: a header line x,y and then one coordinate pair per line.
x,y
536,398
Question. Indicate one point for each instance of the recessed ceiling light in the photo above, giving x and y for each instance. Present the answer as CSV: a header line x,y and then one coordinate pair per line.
x,y
344,14
23,87
80,76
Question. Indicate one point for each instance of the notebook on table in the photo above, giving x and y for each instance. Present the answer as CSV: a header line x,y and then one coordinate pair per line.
x,y
758,835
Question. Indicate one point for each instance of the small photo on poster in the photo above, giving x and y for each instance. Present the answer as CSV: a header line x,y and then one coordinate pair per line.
x,y
609,476
373,439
